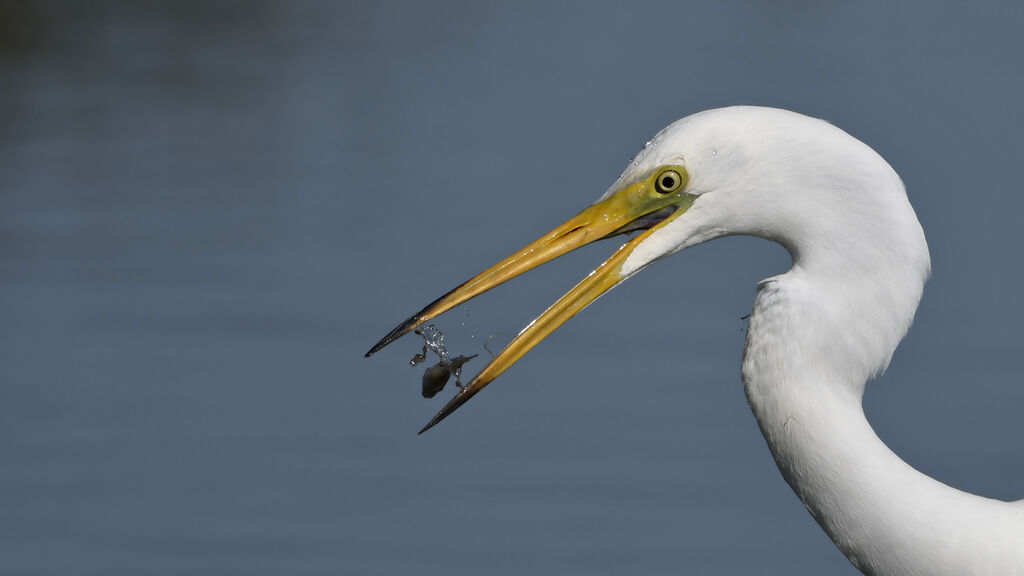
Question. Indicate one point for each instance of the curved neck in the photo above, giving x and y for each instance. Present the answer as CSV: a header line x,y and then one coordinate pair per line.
x,y
885,516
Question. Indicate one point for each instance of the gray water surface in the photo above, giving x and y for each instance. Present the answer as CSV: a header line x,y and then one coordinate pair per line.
x,y
209,211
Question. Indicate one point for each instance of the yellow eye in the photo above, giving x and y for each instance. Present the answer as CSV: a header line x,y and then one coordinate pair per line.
x,y
668,181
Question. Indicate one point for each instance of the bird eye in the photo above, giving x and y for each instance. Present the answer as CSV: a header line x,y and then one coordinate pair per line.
x,y
668,181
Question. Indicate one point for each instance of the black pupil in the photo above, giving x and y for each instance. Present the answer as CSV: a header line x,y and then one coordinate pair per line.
x,y
667,182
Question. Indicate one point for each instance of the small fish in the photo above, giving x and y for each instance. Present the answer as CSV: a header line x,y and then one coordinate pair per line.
x,y
436,377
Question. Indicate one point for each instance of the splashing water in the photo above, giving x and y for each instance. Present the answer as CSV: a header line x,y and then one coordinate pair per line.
x,y
433,339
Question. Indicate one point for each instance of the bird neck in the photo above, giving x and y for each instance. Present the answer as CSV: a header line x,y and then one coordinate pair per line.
x,y
804,368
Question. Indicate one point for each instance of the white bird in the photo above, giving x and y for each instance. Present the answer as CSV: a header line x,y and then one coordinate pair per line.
x,y
817,333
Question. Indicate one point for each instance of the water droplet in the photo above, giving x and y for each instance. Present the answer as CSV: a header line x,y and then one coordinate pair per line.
x,y
434,339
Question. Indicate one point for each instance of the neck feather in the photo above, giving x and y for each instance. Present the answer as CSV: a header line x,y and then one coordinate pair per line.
x,y
810,348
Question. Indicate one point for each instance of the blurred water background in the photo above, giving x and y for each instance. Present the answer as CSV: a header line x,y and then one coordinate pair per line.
x,y
210,210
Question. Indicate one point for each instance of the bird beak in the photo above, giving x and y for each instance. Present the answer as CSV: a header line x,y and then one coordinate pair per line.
x,y
634,207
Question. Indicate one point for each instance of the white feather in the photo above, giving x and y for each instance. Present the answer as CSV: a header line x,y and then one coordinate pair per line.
x,y
821,330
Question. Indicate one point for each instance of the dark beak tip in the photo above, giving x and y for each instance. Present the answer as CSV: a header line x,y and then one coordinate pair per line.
x,y
434,421
457,401
399,331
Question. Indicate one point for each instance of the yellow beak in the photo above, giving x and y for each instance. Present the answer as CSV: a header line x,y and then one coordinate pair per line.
x,y
634,207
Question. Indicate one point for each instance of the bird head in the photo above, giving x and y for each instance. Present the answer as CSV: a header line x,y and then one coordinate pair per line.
x,y
741,170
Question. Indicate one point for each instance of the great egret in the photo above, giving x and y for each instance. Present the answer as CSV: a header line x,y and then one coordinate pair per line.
x,y
817,333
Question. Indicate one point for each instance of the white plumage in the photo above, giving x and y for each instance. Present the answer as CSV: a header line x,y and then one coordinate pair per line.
x,y
821,330
817,334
